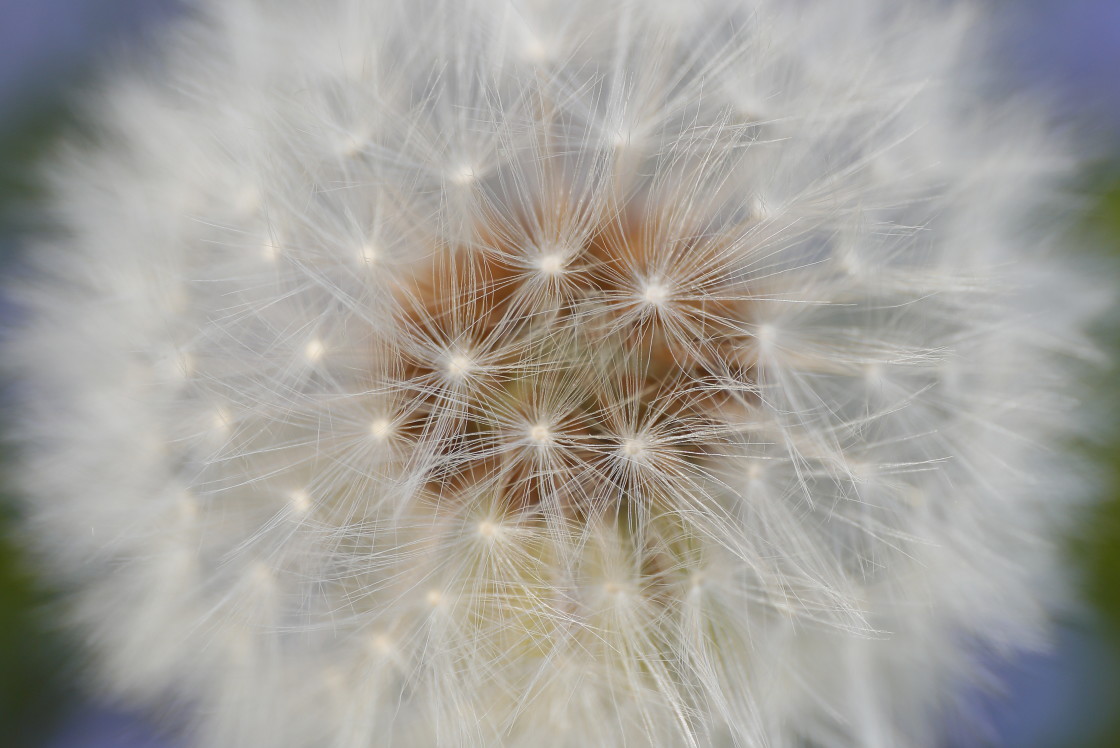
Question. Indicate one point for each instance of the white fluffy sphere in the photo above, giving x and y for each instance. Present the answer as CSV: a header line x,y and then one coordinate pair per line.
x,y
553,373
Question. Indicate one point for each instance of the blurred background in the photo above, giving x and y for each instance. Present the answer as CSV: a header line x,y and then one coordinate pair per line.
x,y
1067,50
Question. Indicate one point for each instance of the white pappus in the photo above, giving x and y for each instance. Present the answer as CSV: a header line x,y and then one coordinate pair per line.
x,y
553,373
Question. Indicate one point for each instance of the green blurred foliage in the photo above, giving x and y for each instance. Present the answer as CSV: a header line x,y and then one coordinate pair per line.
x,y
33,689
36,662
1099,547
1096,546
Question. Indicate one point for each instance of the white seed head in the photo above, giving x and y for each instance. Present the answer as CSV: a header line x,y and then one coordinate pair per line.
x,y
614,589
381,644
220,421
551,263
381,429
368,254
300,501
463,174
540,433
535,50
655,294
459,366
725,353
314,350
633,448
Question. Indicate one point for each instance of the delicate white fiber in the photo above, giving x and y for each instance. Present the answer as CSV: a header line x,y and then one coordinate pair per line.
x,y
554,373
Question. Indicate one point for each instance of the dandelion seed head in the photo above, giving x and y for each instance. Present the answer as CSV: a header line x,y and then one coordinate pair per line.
x,y
300,501
369,254
540,433
535,50
220,420
633,448
614,589
551,263
766,335
553,374
260,575
381,429
314,350
381,644
655,293
463,175
459,366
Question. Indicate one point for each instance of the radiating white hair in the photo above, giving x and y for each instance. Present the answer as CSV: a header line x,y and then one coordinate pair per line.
x,y
554,372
